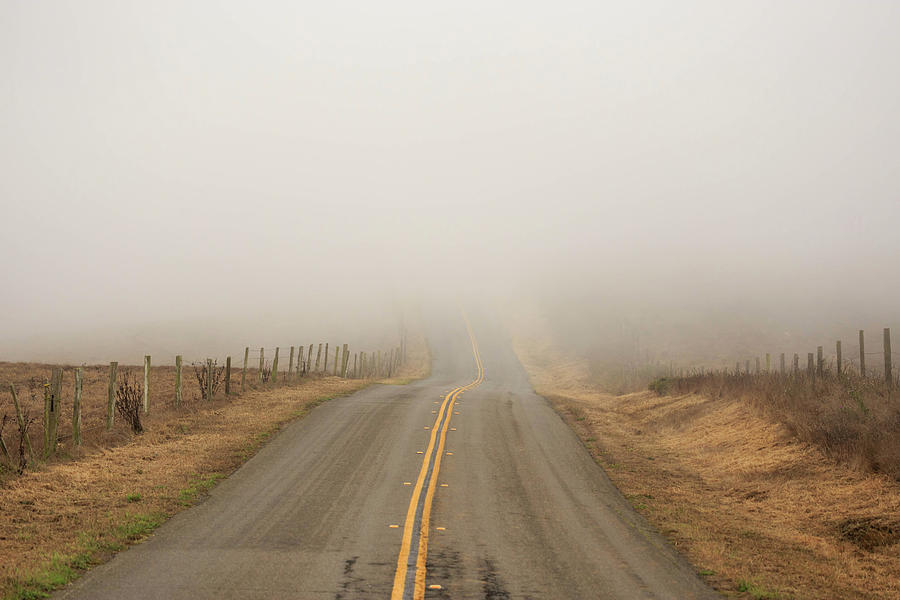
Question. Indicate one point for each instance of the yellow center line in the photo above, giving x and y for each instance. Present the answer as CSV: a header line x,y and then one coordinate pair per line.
x,y
439,438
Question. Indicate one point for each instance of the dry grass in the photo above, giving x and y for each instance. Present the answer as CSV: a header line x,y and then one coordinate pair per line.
x,y
75,511
760,513
853,419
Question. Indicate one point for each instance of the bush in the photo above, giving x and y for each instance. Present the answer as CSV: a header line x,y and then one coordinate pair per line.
x,y
203,373
660,385
130,401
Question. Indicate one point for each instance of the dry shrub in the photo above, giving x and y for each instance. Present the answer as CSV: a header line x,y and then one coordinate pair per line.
x,y
130,401
203,372
266,372
854,419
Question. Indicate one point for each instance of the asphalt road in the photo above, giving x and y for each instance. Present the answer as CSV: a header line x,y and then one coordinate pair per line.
x,y
400,491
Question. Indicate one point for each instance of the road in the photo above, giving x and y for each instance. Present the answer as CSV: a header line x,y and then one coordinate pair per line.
x,y
450,487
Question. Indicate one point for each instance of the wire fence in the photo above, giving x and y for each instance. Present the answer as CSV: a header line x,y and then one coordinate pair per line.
x,y
842,360
45,405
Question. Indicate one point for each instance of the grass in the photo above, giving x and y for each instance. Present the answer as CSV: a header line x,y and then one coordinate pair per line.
x,y
756,591
60,568
199,486
853,419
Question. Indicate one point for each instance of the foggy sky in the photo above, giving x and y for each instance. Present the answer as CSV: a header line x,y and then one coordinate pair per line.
x,y
313,166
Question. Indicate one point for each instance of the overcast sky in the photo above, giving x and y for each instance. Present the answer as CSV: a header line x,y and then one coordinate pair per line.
x,y
164,160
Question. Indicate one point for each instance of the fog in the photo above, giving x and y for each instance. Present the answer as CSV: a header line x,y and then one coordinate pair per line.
x,y
215,174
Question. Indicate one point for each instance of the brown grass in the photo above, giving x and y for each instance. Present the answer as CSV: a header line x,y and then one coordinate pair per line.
x,y
760,513
853,419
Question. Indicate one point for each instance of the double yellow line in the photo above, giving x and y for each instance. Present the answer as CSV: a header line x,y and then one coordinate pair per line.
x,y
414,547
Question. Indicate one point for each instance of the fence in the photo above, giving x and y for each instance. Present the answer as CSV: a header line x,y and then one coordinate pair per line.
x,y
100,393
817,364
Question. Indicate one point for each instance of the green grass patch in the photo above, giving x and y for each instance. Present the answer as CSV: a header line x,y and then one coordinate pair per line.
x,y
133,497
756,591
198,487
62,568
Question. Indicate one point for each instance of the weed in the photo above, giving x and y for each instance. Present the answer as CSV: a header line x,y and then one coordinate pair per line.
x,y
133,497
755,590
198,487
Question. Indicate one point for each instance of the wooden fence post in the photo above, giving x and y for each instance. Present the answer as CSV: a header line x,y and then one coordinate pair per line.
x,y
290,371
325,368
757,365
301,362
209,378
262,357
309,359
840,359
45,421
345,361
782,363
146,383
737,368
227,375
355,362
888,378
820,361
178,396
796,363
76,408
810,366
747,366
768,362
111,396
318,356
274,376
53,396
20,420
244,372
862,353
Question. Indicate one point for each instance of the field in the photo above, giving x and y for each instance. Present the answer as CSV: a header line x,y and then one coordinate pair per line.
x,y
28,379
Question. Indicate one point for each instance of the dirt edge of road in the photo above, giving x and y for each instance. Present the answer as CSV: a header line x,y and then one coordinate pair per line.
x,y
758,513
